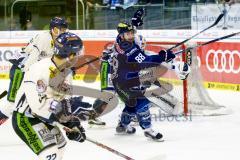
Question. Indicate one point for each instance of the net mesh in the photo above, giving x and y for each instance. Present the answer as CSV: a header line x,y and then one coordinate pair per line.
x,y
197,100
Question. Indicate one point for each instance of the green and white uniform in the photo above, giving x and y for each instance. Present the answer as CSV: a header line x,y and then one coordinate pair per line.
x,y
39,47
42,88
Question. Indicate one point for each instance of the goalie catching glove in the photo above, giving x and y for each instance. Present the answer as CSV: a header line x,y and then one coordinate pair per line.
x,y
181,69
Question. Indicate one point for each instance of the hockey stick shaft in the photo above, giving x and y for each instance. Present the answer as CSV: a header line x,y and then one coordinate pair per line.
x,y
186,40
3,94
215,23
206,43
109,149
95,142
178,44
88,62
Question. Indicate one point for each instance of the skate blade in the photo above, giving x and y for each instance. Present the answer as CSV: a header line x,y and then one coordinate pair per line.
x,y
124,134
96,126
156,140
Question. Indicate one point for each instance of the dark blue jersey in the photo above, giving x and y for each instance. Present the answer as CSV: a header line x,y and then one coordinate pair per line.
x,y
131,60
128,60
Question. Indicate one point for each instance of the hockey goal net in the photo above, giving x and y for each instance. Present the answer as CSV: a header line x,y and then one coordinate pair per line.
x,y
189,94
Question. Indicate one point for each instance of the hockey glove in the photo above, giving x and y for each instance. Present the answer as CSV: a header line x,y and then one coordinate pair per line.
x,y
18,59
77,133
61,110
166,55
181,69
106,55
137,19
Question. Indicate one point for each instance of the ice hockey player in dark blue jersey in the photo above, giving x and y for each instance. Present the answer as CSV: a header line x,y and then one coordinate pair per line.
x,y
128,60
125,61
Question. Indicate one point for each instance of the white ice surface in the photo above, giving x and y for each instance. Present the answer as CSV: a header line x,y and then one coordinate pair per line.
x,y
201,138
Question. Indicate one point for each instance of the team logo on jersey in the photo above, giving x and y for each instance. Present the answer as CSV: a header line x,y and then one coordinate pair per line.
x,y
41,86
41,89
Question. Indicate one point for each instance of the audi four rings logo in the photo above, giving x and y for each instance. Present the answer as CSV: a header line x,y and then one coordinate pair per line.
x,y
223,61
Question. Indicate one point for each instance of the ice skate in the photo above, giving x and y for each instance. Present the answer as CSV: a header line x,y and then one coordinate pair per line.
x,y
120,129
153,134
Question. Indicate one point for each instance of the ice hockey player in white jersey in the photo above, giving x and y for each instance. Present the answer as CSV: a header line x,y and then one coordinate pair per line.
x,y
39,47
38,107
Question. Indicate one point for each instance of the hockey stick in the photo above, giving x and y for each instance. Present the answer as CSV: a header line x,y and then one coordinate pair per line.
x,y
88,62
214,24
179,52
178,44
3,94
109,149
95,142
206,43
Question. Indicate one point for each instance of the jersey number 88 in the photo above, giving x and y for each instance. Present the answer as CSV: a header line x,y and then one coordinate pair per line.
x,y
140,58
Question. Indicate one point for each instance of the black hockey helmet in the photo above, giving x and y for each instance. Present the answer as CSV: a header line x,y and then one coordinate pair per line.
x,y
66,44
125,27
58,22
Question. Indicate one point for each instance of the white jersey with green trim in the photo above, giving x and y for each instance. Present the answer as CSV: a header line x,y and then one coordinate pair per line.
x,y
39,47
43,86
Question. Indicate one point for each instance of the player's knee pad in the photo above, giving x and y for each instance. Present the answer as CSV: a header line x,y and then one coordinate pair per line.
x,y
127,114
144,117
51,153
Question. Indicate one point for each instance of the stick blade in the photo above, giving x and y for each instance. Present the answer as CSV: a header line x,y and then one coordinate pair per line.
x,y
219,18
3,94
